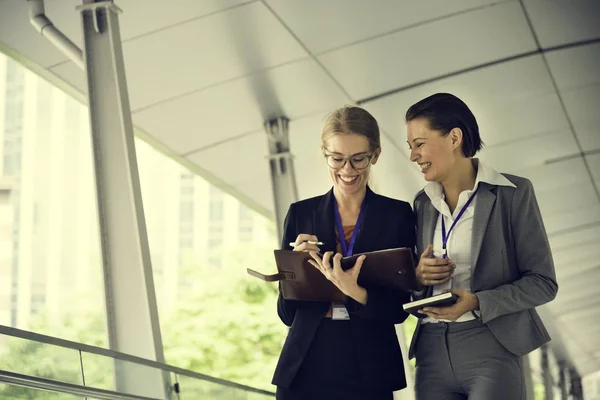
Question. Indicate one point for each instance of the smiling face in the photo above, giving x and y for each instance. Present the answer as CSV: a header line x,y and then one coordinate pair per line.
x,y
435,153
349,158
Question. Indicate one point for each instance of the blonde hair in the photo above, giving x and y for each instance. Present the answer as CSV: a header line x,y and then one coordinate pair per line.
x,y
351,120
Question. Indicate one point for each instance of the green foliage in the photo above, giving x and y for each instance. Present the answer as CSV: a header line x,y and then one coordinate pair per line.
x,y
409,328
53,362
227,325
223,324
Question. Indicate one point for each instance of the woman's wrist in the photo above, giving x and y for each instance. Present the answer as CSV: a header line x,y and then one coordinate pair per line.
x,y
359,294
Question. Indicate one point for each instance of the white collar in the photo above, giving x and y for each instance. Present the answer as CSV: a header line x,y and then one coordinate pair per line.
x,y
484,174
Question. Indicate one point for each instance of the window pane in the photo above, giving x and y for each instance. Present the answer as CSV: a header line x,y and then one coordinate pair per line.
x,y
21,393
50,269
215,319
39,360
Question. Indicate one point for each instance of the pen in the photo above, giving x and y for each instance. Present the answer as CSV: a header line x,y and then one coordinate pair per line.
x,y
293,244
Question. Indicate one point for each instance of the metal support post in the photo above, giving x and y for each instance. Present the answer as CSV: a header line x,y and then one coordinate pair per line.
x,y
131,307
562,380
546,374
528,378
282,168
409,392
576,387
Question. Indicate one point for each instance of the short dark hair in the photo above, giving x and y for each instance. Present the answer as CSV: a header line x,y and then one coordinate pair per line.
x,y
445,112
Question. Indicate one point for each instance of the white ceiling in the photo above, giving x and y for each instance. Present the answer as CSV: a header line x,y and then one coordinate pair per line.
x,y
203,75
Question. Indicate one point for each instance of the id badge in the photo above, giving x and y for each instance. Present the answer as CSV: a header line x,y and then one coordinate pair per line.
x,y
339,312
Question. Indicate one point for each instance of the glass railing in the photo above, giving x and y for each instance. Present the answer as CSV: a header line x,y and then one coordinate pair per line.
x,y
42,367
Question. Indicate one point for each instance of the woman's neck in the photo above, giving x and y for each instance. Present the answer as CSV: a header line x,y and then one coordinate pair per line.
x,y
461,178
349,203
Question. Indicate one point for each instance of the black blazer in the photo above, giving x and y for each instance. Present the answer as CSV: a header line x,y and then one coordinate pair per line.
x,y
387,223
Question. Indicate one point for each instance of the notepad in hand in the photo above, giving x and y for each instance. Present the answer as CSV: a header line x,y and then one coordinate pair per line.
x,y
299,280
440,300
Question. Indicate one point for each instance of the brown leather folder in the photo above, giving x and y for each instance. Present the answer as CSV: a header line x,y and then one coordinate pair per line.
x,y
392,268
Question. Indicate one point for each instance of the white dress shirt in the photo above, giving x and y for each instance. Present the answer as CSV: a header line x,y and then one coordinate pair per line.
x,y
460,239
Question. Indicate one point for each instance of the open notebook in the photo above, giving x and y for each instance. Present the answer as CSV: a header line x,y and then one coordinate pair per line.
x,y
299,280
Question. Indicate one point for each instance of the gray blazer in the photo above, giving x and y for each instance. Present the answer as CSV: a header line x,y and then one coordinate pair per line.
x,y
513,271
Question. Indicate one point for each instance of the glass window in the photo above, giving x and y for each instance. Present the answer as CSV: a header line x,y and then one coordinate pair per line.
x,y
218,321
49,245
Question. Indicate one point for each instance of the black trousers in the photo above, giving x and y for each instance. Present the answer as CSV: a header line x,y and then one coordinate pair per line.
x,y
330,370
330,394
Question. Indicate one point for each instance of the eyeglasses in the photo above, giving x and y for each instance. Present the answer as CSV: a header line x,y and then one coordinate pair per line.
x,y
357,161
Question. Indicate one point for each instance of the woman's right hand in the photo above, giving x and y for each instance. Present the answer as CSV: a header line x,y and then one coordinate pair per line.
x,y
302,243
433,271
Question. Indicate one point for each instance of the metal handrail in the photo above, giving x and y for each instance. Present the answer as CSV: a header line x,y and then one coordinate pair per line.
x,y
40,338
35,382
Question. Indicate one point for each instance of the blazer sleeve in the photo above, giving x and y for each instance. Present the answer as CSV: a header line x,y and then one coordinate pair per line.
x,y
286,309
385,304
537,284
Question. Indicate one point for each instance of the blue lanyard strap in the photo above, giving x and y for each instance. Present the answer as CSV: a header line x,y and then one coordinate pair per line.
x,y
347,250
445,236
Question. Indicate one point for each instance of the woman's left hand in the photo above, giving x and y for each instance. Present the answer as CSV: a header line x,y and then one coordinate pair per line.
x,y
467,301
346,281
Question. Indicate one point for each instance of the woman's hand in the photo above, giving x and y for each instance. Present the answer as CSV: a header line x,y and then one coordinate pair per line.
x,y
346,281
467,301
304,242
433,271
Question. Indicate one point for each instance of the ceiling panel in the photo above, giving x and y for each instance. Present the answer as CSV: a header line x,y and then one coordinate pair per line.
x,y
259,189
141,17
187,57
556,175
312,173
559,22
575,67
72,74
14,17
576,261
221,112
236,161
511,101
570,283
593,161
566,198
573,218
529,152
582,237
575,303
561,186
324,25
431,50
582,106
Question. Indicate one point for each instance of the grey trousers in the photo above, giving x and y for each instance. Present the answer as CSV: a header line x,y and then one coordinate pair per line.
x,y
459,361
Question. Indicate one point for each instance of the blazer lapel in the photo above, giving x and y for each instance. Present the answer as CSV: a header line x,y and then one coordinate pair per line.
x,y
324,223
427,226
430,217
483,208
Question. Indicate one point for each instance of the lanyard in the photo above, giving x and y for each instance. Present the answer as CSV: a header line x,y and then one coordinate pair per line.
x,y
445,236
347,251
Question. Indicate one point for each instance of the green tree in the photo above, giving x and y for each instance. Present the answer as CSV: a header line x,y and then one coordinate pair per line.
x,y
227,324
224,325
54,362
